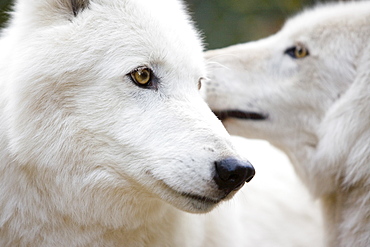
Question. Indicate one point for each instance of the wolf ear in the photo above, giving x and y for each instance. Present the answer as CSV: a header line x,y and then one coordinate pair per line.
x,y
78,5
73,6
344,146
49,10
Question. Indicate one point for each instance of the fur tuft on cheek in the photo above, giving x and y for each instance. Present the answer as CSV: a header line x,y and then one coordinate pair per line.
x,y
344,150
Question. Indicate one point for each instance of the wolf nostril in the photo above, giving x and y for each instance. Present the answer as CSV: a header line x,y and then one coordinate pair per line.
x,y
232,173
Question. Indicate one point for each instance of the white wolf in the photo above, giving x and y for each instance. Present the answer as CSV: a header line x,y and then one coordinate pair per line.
x,y
104,137
306,89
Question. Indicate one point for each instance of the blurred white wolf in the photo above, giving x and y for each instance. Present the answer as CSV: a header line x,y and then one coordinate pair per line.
x,y
306,90
104,137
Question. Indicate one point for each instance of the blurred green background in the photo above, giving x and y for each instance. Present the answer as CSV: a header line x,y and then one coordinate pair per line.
x,y
226,22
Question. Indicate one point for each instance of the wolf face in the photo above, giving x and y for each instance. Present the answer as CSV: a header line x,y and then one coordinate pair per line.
x,y
287,87
100,98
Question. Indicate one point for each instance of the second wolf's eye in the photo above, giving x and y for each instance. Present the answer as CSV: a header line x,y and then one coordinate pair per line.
x,y
297,51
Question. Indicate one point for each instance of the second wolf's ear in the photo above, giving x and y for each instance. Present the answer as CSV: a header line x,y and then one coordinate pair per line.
x,y
343,153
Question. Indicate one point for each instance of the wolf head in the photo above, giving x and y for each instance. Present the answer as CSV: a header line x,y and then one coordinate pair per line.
x,y
101,100
304,90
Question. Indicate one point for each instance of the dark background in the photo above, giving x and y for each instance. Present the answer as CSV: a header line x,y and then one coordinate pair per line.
x,y
226,22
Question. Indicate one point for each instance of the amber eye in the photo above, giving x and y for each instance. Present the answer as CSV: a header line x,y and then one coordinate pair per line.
x,y
142,76
298,51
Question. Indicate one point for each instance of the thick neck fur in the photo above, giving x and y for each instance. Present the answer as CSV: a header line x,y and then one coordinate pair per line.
x,y
44,224
347,216
346,208
32,215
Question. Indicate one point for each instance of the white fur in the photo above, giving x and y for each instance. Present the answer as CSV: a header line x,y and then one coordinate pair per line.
x,y
317,107
87,158
274,209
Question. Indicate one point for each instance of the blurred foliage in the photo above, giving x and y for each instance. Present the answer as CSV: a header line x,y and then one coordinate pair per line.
x,y
4,9
226,22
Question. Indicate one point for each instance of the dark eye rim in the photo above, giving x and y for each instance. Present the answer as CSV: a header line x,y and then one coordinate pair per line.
x,y
291,51
200,82
153,82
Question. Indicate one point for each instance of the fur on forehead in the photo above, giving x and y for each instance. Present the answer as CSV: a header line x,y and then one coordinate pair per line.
x,y
144,16
162,34
327,13
45,12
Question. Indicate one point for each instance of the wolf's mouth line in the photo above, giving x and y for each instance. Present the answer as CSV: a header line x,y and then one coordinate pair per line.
x,y
195,197
245,115
199,198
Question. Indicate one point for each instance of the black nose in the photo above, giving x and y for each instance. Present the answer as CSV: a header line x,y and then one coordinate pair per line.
x,y
231,173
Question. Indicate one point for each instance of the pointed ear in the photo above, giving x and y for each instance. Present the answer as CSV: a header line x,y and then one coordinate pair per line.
x,y
343,153
78,5
44,11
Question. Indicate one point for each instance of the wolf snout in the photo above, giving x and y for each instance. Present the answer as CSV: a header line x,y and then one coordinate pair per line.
x,y
231,174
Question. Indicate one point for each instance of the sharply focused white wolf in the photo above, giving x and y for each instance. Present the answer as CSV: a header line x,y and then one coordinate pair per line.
x,y
105,140
306,90
104,137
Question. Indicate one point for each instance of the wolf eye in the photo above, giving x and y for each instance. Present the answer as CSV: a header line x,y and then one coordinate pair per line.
x,y
297,51
143,77
200,83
